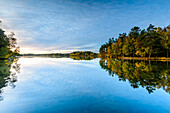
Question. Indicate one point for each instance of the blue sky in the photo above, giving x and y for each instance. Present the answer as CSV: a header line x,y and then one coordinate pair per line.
x,y
44,26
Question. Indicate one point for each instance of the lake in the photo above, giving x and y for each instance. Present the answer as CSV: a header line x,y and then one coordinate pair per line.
x,y
64,85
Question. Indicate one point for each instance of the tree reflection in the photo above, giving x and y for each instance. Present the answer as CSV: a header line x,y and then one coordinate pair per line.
x,y
150,75
8,70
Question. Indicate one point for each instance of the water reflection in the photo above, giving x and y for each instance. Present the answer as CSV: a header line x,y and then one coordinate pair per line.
x,y
63,85
149,75
8,70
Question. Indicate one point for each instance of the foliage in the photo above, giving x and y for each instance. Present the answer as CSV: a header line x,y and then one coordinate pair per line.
x,y
7,44
86,55
152,42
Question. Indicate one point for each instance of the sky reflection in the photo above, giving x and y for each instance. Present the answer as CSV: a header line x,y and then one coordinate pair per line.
x,y
76,86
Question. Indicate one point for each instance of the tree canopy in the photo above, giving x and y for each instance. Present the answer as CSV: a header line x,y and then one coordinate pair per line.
x,y
83,55
150,42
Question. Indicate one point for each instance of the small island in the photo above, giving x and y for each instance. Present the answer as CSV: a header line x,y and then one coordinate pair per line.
x,y
83,55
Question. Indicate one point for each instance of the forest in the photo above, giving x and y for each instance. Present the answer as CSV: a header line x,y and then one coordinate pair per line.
x,y
7,44
150,42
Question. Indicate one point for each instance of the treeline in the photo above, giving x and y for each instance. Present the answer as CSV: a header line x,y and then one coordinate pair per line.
x,y
152,42
149,75
7,44
53,55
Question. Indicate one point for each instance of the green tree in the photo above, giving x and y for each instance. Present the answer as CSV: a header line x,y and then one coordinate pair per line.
x,y
151,42
7,43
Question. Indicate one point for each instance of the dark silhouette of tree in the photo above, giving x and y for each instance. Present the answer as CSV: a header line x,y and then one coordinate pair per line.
x,y
7,43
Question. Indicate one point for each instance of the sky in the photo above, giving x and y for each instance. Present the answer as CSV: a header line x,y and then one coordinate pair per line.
x,y
63,26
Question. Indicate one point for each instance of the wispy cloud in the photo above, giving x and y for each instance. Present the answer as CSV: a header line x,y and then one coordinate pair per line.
x,y
62,48
74,25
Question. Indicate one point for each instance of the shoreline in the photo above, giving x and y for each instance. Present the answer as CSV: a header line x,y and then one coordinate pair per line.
x,y
146,58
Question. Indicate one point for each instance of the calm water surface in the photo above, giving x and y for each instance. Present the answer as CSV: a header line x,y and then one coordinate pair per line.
x,y
63,85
